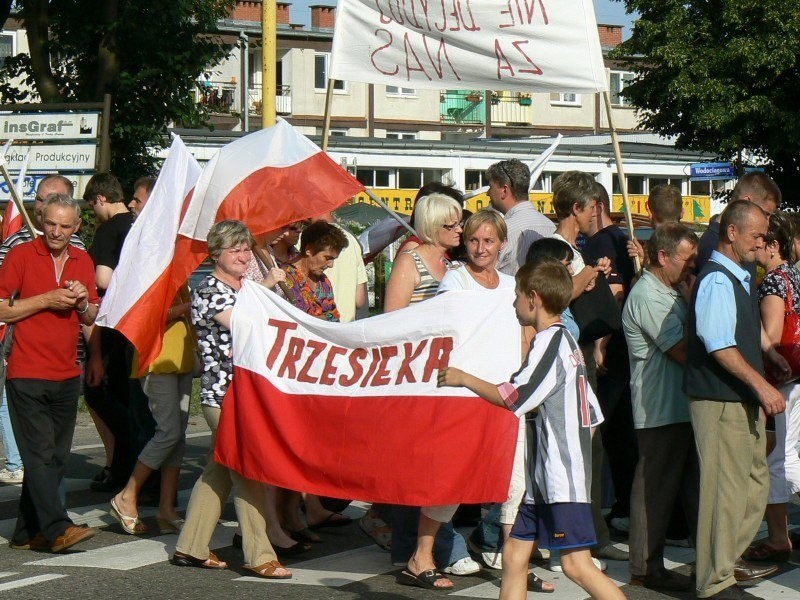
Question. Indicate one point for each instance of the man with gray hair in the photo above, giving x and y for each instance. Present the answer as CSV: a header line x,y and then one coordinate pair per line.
x,y
43,381
51,184
509,184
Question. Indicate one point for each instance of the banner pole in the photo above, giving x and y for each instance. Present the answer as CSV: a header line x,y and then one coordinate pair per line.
x,y
623,184
326,126
265,258
26,219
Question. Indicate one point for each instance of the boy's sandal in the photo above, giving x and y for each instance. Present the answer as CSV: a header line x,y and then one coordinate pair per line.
x,y
536,584
267,570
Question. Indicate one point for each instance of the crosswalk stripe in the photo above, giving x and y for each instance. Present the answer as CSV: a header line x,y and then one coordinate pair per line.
x,y
29,581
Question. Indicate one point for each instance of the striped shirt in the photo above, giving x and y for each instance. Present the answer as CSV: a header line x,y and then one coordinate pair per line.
x,y
525,226
428,284
553,379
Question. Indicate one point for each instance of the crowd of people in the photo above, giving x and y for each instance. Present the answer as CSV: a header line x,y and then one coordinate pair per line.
x,y
678,375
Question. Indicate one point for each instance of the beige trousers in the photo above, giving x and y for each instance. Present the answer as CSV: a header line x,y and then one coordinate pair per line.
x,y
734,483
209,496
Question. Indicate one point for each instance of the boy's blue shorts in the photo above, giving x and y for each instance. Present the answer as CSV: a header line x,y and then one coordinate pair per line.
x,y
555,526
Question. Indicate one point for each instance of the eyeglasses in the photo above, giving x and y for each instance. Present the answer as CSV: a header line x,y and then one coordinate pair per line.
x,y
507,174
452,226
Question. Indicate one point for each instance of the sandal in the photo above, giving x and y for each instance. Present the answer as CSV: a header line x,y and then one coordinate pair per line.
x,y
305,535
426,580
377,530
165,526
765,552
536,584
267,570
131,525
334,519
184,560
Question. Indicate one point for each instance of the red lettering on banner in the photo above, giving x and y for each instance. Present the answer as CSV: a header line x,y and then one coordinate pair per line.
x,y
458,13
376,357
405,372
316,350
409,50
378,49
498,52
382,375
439,356
293,354
521,12
536,70
356,356
280,337
328,376
442,50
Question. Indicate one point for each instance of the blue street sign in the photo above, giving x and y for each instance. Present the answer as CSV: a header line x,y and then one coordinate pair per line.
x,y
720,170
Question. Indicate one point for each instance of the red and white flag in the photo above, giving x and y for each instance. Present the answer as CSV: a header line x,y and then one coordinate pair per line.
x,y
266,179
351,410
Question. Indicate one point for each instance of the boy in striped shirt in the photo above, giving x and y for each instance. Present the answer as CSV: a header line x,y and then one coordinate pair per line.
x,y
556,511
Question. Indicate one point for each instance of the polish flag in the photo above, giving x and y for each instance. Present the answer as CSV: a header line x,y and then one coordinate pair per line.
x,y
266,179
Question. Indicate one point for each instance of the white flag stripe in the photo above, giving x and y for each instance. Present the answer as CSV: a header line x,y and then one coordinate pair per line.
x,y
532,45
149,247
278,146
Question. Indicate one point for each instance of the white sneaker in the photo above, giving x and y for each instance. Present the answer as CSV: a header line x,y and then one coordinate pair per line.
x,y
465,566
16,476
493,560
555,564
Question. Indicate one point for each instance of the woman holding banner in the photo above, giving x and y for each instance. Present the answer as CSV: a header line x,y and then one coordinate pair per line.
x,y
230,247
415,277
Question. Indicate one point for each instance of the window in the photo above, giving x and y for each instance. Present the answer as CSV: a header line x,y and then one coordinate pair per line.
x,y
400,135
474,179
544,183
619,81
674,181
635,184
565,99
336,133
6,47
321,69
373,177
393,90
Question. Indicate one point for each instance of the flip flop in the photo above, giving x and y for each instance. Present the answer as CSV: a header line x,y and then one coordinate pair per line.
x,y
425,580
267,570
334,519
129,524
166,527
185,560
536,584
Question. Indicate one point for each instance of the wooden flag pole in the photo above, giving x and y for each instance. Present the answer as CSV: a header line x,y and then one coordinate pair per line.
x,y
326,126
15,197
265,258
623,184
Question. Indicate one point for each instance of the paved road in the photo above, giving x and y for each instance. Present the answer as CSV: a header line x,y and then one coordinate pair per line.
x,y
345,566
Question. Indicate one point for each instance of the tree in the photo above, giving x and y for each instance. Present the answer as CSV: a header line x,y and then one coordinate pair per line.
x,y
147,55
722,76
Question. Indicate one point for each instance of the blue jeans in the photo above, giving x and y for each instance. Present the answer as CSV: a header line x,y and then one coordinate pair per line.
x,y
13,460
448,548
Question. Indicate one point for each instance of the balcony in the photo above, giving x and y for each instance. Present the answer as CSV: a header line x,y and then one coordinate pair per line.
x,y
464,107
283,100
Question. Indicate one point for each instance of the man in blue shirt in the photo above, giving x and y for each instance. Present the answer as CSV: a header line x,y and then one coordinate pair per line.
x,y
724,380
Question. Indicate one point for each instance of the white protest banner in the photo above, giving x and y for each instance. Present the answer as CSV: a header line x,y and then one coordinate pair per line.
x,y
524,45
352,409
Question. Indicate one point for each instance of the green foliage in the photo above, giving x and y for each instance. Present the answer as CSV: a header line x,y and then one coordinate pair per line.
x,y
720,75
148,55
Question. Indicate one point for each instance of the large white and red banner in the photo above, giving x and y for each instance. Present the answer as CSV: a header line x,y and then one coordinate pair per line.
x,y
524,45
351,410
266,179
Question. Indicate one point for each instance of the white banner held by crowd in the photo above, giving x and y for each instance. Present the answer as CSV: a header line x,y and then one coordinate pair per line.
x,y
523,45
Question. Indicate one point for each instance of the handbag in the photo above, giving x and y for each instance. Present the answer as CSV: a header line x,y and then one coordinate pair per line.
x,y
789,347
596,312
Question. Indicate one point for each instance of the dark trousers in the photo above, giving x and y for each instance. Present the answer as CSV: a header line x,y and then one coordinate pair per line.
x,y
667,470
110,401
43,418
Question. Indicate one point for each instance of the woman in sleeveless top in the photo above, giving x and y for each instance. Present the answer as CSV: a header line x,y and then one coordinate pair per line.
x,y
416,273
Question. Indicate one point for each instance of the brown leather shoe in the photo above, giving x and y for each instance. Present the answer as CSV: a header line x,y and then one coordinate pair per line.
x,y
663,580
745,571
37,543
71,536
